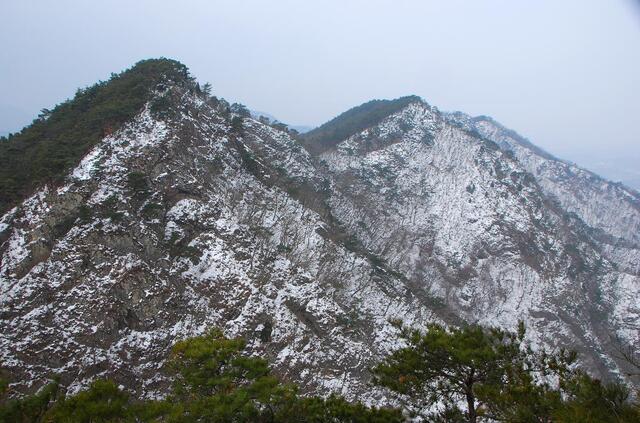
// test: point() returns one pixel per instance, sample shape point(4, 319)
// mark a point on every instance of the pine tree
point(28, 409)
point(448, 365)
point(102, 402)
point(217, 382)
point(499, 378)
point(237, 125)
point(206, 89)
point(240, 109)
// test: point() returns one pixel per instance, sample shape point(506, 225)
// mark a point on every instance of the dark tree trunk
point(471, 399)
point(471, 406)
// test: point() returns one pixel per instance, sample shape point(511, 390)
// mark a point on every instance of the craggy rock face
point(172, 226)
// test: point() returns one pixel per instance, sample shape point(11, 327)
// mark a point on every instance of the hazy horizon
point(563, 75)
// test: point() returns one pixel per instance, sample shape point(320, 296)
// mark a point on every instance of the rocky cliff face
point(179, 222)
point(609, 212)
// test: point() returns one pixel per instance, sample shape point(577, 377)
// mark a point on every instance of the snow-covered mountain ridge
point(172, 225)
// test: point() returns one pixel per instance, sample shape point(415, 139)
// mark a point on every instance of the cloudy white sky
point(566, 74)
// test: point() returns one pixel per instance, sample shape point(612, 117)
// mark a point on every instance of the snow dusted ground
point(610, 210)
point(212, 244)
point(419, 217)
point(480, 231)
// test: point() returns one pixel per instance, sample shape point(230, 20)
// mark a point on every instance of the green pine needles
point(474, 374)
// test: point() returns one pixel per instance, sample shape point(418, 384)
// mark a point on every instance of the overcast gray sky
point(565, 73)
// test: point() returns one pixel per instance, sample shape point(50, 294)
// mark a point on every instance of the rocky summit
point(189, 214)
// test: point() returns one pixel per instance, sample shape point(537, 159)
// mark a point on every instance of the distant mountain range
point(300, 128)
point(623, 169)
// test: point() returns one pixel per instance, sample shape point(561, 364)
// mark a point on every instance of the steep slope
point(578, 190)
point(471, 225)
point(610, 211)
point(181, 220)
point(173, 225)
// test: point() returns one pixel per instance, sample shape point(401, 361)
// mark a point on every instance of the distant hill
point(615, 168)
point(300, 128)
point(353, 121)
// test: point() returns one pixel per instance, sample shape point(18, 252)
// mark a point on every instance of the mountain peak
point(58, 138)
point(159, 67)
point(354, 120)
